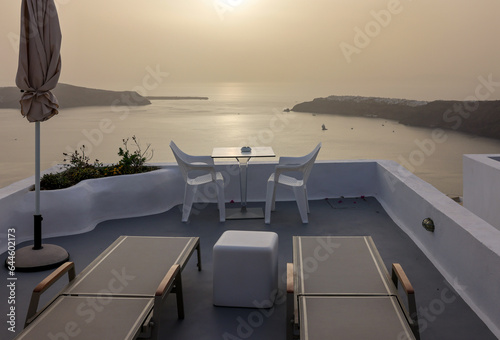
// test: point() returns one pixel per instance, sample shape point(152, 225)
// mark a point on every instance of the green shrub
point(54, 181)
point(131, 162)
point(79, 168)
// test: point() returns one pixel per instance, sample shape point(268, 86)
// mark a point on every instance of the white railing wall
point(463, 247)
point(481, 175)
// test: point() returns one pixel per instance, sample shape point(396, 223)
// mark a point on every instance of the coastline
point(175, 98)
point(70, 96)
point(247, 116)
point(480, 118)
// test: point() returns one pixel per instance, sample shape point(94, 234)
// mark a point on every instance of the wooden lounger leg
point(179, 296)
point(290, 304)
point(198, 251)
point(171, 282)
point(398, 275)
point(68, 267)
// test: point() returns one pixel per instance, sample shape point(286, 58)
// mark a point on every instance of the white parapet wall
point(464, 247)
point(481, 178)
point(80, 208)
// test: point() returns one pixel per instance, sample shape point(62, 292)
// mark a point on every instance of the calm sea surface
point(235, 115)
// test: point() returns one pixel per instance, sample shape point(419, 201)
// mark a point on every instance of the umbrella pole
point(38, 72)
point(37, 217)
point(38, 257)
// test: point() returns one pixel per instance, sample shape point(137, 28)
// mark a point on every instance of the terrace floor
point(442, 313)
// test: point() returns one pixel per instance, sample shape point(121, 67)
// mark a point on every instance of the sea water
point(235, 115)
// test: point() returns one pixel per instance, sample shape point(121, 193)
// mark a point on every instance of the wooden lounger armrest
point(67, 267)
point(168, 280)
point(398, 275)
point(171, 283)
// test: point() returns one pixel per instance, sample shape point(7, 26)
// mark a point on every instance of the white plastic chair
point(301, 167)
point(198, 170)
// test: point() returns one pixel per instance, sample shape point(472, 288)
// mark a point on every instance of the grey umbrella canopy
point(39, 59)
point(38, 73)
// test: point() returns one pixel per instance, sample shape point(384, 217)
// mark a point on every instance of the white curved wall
point(80, 208)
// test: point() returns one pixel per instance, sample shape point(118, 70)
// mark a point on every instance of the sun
point(224, 6)
point(233, 3)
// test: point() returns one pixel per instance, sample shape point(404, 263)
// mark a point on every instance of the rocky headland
point(175, 98)
point(481, 118)
point(70, 96)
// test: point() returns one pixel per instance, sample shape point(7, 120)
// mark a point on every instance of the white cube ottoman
point(245, 269)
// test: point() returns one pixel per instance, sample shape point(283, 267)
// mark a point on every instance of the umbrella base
point(48, 257)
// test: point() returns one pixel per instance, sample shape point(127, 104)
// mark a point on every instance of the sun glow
point(222, 7)
point(414, 49)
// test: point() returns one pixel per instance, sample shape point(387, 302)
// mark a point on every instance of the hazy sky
point(418, 49)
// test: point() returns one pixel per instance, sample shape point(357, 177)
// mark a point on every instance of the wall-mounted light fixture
point(428, 224)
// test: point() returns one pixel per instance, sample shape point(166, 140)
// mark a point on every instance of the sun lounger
point(120, 295)
point(340, 285)
point(352, 317)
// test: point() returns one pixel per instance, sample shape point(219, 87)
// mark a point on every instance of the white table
point(243, 158)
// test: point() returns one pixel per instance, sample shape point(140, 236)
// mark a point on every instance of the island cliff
point(70, 96)
point(481, 118)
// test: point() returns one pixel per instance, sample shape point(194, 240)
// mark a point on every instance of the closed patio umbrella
point(38, 73)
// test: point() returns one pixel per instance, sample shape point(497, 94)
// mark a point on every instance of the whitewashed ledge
point(482, 186)
point(464, 248)
point(80, 208)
